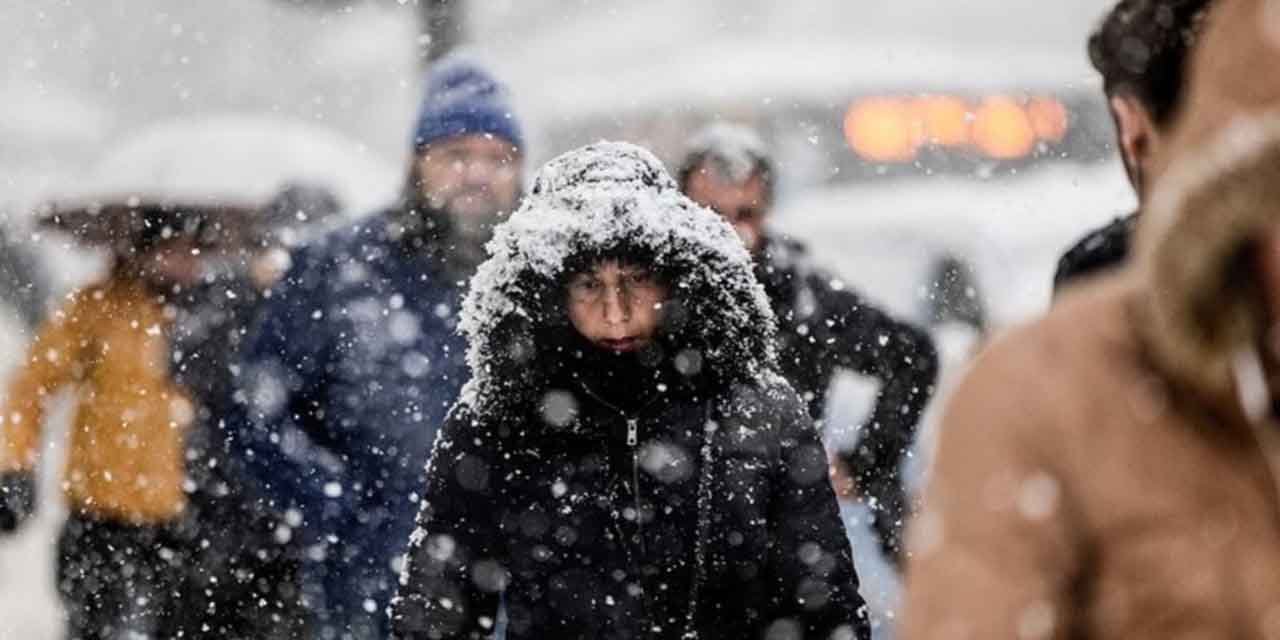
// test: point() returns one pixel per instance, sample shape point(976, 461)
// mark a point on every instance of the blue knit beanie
point(462, 98)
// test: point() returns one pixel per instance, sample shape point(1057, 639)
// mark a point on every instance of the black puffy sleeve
point(455, 568)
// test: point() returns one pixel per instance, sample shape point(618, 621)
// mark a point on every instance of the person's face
point(743, 204)
point(616, 307)
point(475, 179)
point(268, 267)
point(173, 263)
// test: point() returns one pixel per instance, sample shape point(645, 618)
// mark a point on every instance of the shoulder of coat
point(1056, 368)
point(768, 403)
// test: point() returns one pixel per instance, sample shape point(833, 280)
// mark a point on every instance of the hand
point(17, 499)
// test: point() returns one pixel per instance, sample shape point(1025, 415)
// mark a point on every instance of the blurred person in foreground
point(244, 577)
point(356, 359)
point(123, 549)
point(1111, 471)
point(626, 462)
point(824, 325)
point(1141, 50)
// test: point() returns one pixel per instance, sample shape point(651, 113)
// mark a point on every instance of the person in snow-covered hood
point(1111, 471)
point(1141, 49)
point(625, 462)
point(825, 326)
point(121, 556)
point(356, 359)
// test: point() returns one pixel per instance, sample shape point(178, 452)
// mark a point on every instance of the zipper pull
point(633, 432)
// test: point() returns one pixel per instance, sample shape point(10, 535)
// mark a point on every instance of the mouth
point(621, 345)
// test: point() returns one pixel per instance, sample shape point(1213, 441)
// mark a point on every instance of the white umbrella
point(242, 158)
point(218, 164)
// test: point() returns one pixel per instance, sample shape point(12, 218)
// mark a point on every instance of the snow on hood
point(605, 198)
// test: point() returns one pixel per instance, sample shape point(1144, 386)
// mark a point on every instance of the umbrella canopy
point(122, 223)
point(204, 169)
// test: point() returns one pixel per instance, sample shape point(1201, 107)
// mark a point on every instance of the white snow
point(238, 158)
point(86, 77)
point(674, 53)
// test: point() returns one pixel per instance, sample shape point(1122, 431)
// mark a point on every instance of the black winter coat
point(1102, 249)
point(243, 566)
point(824, 327)
point(741, 522)
point(681, 493)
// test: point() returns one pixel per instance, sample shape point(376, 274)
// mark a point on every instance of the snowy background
point(248, 87)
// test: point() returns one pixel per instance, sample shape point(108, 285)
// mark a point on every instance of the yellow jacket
point(126, 455)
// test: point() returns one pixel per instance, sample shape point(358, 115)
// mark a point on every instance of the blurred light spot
point(882, 130)
point(946, 120)
point(1002, 129)
point(1049, 119)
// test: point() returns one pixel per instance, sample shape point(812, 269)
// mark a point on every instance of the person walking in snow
point(1111, 471)
point(625, 461)
point(243, 580)
point(356, 360)
point(122, 553)
point(825, 326)
point(1141, 49)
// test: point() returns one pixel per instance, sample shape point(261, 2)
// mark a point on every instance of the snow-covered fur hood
point(1203, 306)
point(611, 199)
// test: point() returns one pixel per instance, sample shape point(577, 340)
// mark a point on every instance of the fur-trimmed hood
point(602, 199)
point(1203, 308)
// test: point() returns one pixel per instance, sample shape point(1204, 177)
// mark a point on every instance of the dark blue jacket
point(344, 384)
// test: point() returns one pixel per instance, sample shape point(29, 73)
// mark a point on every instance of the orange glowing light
point(1049, 119)
point(945, 120)
point(882, 130)
point(1002, 129)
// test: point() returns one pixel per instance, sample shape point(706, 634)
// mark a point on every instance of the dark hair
point(631, 256)
point(724, 146)
point(694, 162)
point(1142, 48)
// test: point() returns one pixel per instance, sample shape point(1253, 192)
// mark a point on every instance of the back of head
point(1142, 47)
point(736, 151)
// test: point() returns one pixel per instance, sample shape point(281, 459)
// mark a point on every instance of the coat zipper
point(702, 526)
point(633, 442)
point(633, 439)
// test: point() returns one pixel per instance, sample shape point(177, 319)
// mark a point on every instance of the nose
point(480, 170)
point(617, 309)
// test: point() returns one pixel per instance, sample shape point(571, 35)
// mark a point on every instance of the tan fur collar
point(1201, 304)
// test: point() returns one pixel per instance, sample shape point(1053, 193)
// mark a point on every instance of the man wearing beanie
point(356, 359)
